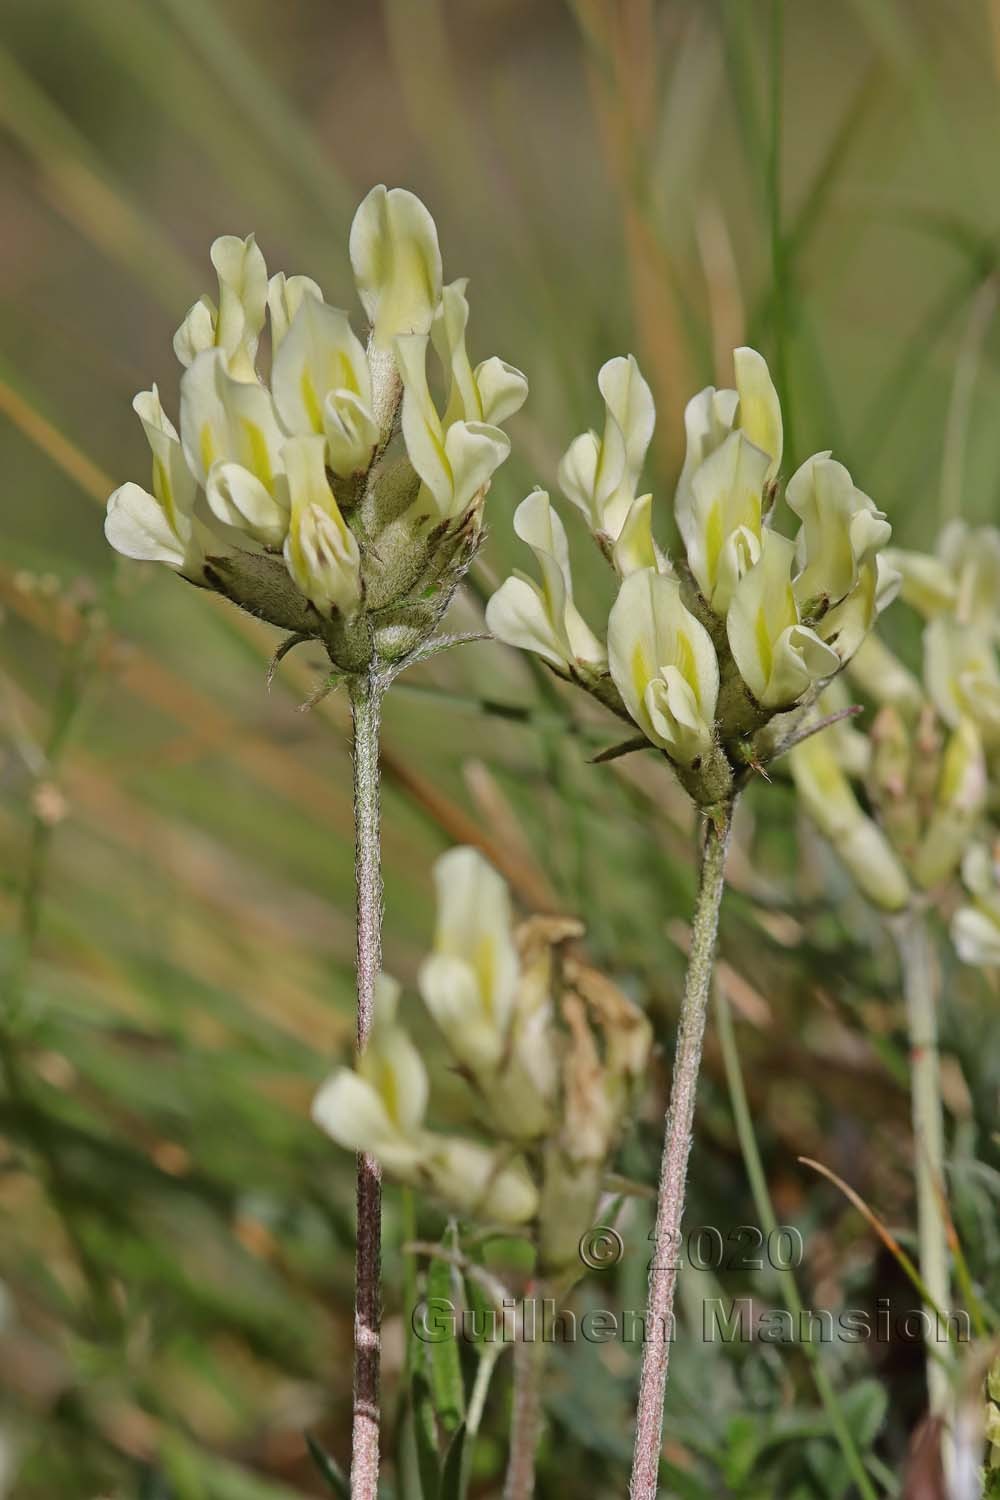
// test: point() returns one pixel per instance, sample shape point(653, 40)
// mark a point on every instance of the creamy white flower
point(456, 464)
point(542, 617)
point(380, 1107)
point(777, 656)
point(726, 518)
point(322, 384)
point(224, 420)
point(841, 530)
point(397, 263)
point(491, 392)
point(235, 325)
point(321, 552)
point(285, 295)
point(600, 475)
point(664, 665)
point(470, 980)
point(753, 409)
point(158, 527)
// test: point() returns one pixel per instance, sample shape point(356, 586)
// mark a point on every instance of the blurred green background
point(669, 178)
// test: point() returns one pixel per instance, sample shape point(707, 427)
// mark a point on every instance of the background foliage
point(672, 178)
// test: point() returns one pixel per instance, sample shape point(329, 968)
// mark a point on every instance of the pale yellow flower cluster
point(700, 654)
point(550, 1051)
point(332, 498)
point(929, 761)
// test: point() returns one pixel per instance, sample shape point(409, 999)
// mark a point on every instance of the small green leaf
point(443, 1359)
point(484, 1325)
point(425, 1435)
point(454, 1470)
point(329, 1469)
point(865, 1406)
point(742, 1449)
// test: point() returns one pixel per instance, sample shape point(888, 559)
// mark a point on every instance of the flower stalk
point(526, 1415)
point(676, 1150)
point(366, 704)
point(918, 974)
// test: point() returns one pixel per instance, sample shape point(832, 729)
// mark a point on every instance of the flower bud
point(543, 618)
point(600, 475)
point(959, 803)
point(828, 798)
point(778, 657)
point(890, 780)
point(664, 666)
point(397, 263)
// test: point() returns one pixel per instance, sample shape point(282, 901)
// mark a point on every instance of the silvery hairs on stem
point(551, 1051)
point(704, 653)
point(333, 499)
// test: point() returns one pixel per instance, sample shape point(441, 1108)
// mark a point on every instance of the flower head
point(703, 652)
point(294, 491)
point(552, 1053)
